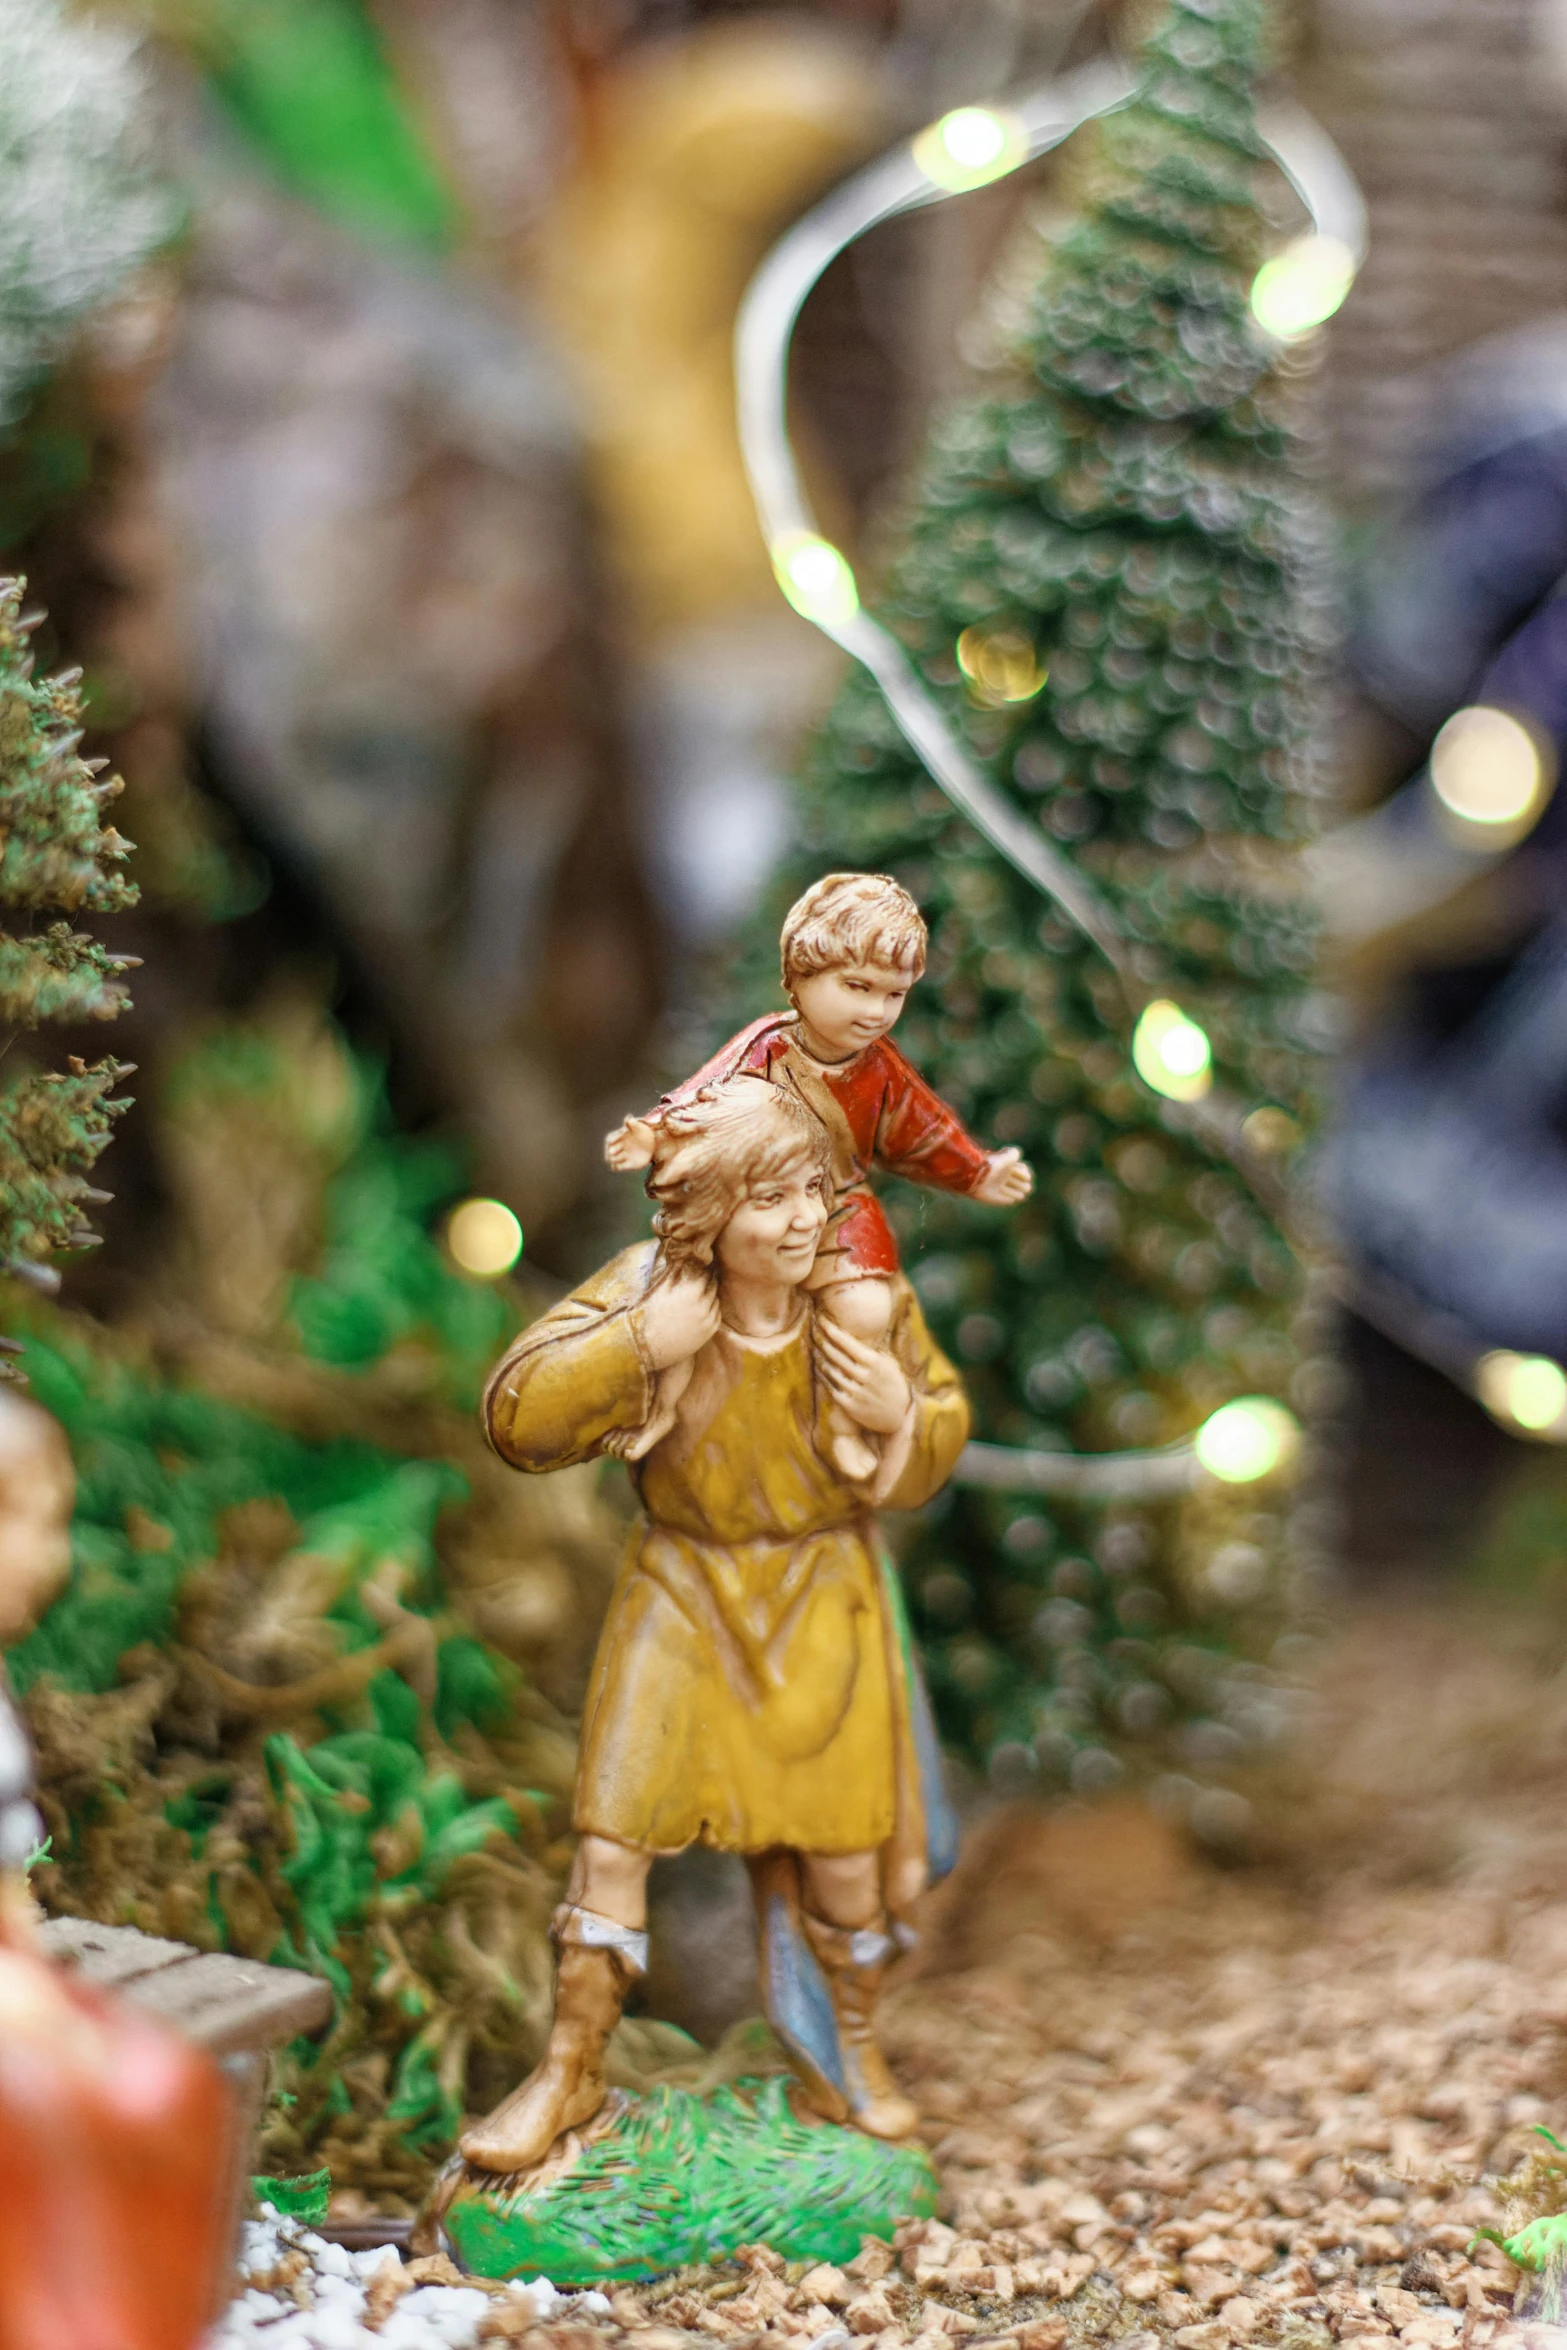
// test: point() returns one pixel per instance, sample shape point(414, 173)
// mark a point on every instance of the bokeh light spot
point(1492, 775)
point(816, 579)
point(484, 1238)
point(1247, 1439)
point(1270, 1131)
point(1171, 1053)
point(1000, 664)
point(970, 146)
point(1294, 292)
point(1523, 1391)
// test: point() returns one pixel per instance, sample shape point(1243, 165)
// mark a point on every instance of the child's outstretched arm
point(630, 1147)
point(919, 1137)
point(1008, 1178)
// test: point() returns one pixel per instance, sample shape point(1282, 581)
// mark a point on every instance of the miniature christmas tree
point(56, 855)
point(1106, 580)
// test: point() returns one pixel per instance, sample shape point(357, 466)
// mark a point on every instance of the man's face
point(772, 1235)
point(847, 1009)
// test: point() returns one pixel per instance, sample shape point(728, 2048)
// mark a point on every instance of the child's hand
point(1006, 1180)
point(866, 1380)
point(679, 1316)
point(630, 1146)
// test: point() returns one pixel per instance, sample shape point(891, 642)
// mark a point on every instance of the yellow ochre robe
point(753, 1685)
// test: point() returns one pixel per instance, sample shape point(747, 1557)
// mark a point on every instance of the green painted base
point(676, 2178)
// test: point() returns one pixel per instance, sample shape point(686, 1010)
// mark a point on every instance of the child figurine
point(754, 1688)
point(851, 949)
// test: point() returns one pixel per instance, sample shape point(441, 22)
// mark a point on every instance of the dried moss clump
point(293, 1701)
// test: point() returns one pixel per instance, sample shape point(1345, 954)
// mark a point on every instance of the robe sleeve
point(918, 1458)
point(919, 1137)
point(578, 1377)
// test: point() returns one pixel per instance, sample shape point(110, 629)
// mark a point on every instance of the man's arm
point(921, 1455)
point(579, 1375)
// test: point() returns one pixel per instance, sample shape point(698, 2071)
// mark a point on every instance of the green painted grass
point(682, 2179)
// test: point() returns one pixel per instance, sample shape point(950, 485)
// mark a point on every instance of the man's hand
point(1005, 1181)
point(867, 1381)
point(630, 1146)
point(678, 1318)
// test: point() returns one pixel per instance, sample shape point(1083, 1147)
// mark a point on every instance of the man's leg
point(600, 1933)
point(863, 1307)
point(847, 1928)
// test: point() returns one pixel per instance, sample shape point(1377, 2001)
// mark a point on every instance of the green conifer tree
point(56, 856)
point(1106, 579)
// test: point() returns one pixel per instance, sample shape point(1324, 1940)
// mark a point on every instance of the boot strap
point(862, 1946)
point(589, 1929)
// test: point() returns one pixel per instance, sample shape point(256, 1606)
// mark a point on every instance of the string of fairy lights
point(1489, 776)
point(1487, 781)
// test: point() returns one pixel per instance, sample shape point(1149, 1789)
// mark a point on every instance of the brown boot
point(567, 2087)
point(854, 1964)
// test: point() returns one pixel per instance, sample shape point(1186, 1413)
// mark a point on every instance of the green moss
point(305, 2198)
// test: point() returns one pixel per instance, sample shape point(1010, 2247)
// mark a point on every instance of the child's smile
point(845, 1009)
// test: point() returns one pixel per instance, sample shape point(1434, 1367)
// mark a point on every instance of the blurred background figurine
point(37, 1488)
point(117, 2136)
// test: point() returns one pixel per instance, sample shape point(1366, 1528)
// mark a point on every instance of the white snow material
point(335, 2284)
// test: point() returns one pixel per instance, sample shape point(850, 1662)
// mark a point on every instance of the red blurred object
point(117, 2167)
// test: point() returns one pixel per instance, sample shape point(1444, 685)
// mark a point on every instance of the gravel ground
point(1174, 2101)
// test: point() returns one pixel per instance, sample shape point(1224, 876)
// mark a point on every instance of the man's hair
point(852, 918)
point(710, 1152)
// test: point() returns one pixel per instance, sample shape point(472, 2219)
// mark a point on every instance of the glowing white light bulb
point(1171, 1053)
point(1247, 1439)
point(1523, 1391)
point(816, 579)
point(484, 1238)
point(1294, 292)
point(970, 146)
point(1491, 774)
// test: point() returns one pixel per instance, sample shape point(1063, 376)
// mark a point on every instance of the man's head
point(852, 947)
point(745, 1155)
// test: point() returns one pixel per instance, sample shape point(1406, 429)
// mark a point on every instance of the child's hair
point(852, 918)
point(709, 1153)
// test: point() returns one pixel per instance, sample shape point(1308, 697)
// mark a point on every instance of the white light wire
point(896, 184)
point(763, 330)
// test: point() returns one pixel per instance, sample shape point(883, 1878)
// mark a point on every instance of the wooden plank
point(108, 1957)
point(229, 2004)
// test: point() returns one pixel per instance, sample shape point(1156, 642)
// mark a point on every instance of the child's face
point(846, 1009)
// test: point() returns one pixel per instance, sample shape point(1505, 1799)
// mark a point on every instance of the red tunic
point(879, 1112)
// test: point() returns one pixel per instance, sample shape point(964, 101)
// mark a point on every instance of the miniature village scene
point(783, 1174)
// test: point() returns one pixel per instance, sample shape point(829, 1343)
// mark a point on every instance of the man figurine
point(754, 1687)
point(852, 948)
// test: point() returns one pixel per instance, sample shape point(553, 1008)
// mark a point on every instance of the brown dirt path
point(1173, 2100)
point(1253, 2102)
